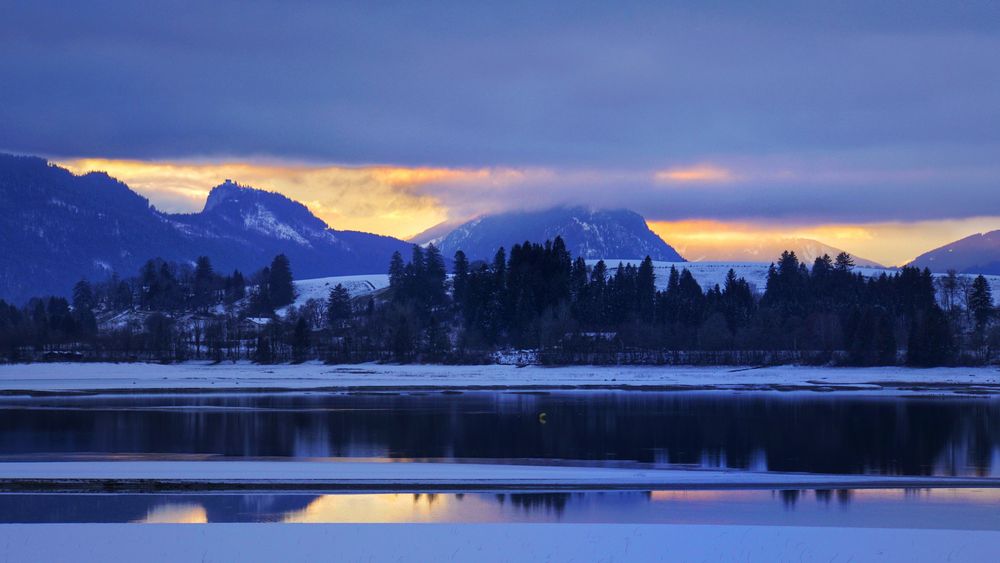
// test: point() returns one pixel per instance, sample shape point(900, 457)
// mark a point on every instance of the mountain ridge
point(587, 233)
point(975, 254)
point(63, 227)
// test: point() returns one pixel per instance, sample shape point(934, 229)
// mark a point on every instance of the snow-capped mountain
point(587, 233)
point(56, 228)
point(766, 249)
point(435, 234)
point(976, 254)
point(249, 222)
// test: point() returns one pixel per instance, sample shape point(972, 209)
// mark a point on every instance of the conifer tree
point(338, 307)
point(204, 283)
point(646, 290)
point(281, 290)
point(460, 279)
point(434, 275)
point(843, 262)
point(980, 303)
point(397, 271)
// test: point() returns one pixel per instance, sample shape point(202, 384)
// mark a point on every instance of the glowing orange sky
point(890, 243)
point(401, 201)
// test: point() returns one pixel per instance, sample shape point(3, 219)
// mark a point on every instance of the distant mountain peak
point(590, 233)
point(767, 249)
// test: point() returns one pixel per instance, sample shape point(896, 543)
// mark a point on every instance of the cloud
point(471, 85)
point(401, 200)
point(695, 174)
point(761, 203)
point(393, 117)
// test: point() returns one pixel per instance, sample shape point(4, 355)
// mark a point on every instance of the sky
point(872, 126)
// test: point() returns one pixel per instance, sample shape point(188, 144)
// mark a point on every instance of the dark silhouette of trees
point(338, 307)
point(281, 291)
point(981, 303)
point(931, 342)
point(205, 283)
point(537, 297)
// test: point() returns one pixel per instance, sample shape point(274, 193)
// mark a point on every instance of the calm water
point(796, 432)
point(972, 509)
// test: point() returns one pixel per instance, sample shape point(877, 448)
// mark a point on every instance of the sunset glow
point(891, 244)
point(695, 174)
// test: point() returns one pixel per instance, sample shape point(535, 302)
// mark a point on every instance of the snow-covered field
point(374, 475)
point(245, 377)
point(486, 543)
point(319, 288)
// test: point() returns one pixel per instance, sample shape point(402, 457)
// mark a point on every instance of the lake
point(760, 431)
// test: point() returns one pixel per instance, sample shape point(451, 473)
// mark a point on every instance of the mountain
point(976, 254)
point(56, 228)
point(767, 250)
point(435, 234)
point(591, 234)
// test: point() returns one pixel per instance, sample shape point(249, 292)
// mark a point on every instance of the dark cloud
point(567, 85)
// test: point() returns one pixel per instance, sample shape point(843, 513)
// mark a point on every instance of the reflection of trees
point(789, 497)
point(554, 503)
point(429, 497)
point(818, 434)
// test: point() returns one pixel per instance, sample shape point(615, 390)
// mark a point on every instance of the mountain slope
point(591, 234)
point(767, 250)
point(56, 228)
point(976, 254)
point(435, 234)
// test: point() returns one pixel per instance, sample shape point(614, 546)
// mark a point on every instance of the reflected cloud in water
point(916, 508)
point(181, 513)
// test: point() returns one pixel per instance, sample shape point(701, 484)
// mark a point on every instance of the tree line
point(538, 299)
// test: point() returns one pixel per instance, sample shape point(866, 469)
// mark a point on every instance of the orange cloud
point(701, 173)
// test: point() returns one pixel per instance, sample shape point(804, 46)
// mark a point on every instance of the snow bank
point(202, 377)
point(375, 475)
point(486, 543)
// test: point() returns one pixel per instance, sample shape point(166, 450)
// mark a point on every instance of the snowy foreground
point(411, 476)
point(486, 542)
point(244, 377)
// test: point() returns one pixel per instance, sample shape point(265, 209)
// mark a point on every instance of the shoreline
point(373, 477)
point(90, 379)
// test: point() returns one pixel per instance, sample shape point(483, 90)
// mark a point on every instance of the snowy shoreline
point(201, 377)
point(487, 542)
point(148, 476)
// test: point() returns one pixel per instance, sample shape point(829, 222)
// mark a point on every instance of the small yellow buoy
point(541, 418)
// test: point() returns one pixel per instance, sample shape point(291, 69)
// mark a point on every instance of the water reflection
point(926, 508)
point(176, 513)
point(747, 431)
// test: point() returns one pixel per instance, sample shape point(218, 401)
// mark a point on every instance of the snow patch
point(263, 221)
